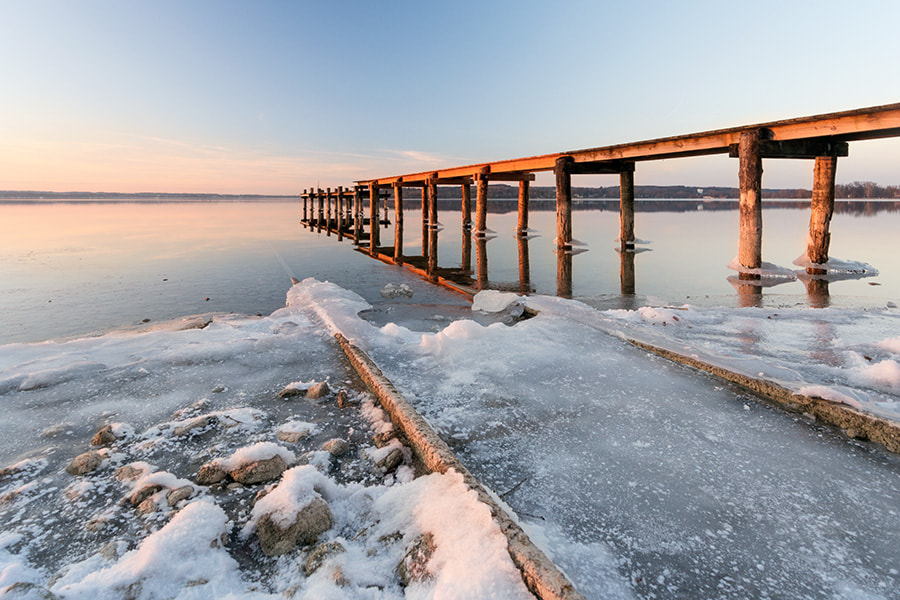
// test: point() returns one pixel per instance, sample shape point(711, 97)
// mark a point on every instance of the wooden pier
point(821, 139)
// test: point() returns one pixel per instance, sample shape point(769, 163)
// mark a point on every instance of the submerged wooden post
point(522, 225)
point(466, 261)
point(563, 202)
point(340, 213)
point(750, 242)
point(481, 193)
point(398, 223)
point(431, 187)
point(524, 266)
point(563, 273)
point(305, 197)
point(424, 220)
point(822, 208)
point(374, 227)
point(466, 206)
point(626, 211)
point(626, 272)
point(481, 263)
point(328, 211)
point(321, 216)
point(357, 214)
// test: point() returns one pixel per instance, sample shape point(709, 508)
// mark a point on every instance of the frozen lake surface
point(641, 478)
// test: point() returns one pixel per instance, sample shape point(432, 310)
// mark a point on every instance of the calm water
point(72, 269)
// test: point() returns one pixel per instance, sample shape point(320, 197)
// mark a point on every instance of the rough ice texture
point(492, 301)
point(188, 549)
point(836, 265)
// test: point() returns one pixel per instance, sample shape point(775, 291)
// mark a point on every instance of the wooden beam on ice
point(750, 206)
point(563, 202)
point(822, 208)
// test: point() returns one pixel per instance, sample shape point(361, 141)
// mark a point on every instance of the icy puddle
point(640, 477)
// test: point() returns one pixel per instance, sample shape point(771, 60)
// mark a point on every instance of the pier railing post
point(481, 192)
point(750, 207)
point(522, 225)
point(626, 209)
point(822, 209)
point(374, 227)
point(563, 202)
point(398, 223)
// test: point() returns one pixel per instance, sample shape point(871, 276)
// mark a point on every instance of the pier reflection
point(524, 265)
point(626, 271)
point(481, 262)
point(563, 273)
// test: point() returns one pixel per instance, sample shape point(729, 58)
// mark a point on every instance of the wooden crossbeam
point(613, 167)
point(807, 149)
point(860, 124)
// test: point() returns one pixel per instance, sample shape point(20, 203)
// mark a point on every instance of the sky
point(272, 97)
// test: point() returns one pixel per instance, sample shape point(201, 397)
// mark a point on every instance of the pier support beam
point(822, 208)
point(321, 212)
point(524, 266)
point(626, 210)
point(328, 220)
point(424, 221)
point(431, 186)
point(563, 202)
point(467, 206)
point(340, 213)
point(398, 223)
point(750, 242)
point(305, 196)
point(481, 192)
point(522, 225)
point(374, 226)
point(357, 214)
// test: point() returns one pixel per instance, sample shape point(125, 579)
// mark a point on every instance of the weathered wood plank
point(750, 206)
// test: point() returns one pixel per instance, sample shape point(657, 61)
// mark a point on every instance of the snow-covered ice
point(639, 477)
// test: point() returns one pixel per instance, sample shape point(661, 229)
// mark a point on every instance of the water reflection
point(687, 268)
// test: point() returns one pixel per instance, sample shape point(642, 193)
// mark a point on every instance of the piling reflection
point(626, 272)
point(817, 291)
point(466, 262)
point(481, 261)
point(433, 254)
point(563, 273)
point(524, 266)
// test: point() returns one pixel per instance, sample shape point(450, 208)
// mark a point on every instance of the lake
point(79, 268)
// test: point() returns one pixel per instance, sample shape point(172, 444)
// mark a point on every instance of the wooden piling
point(424, 220)
point(321, 204)
point(374, 227)
point(481, 263)
point(466, 261)
point(431, 187)
point(524, 266)
point(481, 192)
point(340, 213)
point(305, 197)
point(563, 202)
point(357, 214)
point(466, 206)
point(626, 211)
point(626, 272)
point(563, 273)
point(750, 207)
point(522, 225)
point(398, 223)
point(822, 208)
point(328, 211)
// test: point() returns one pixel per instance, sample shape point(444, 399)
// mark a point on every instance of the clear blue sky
point(274, 96)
